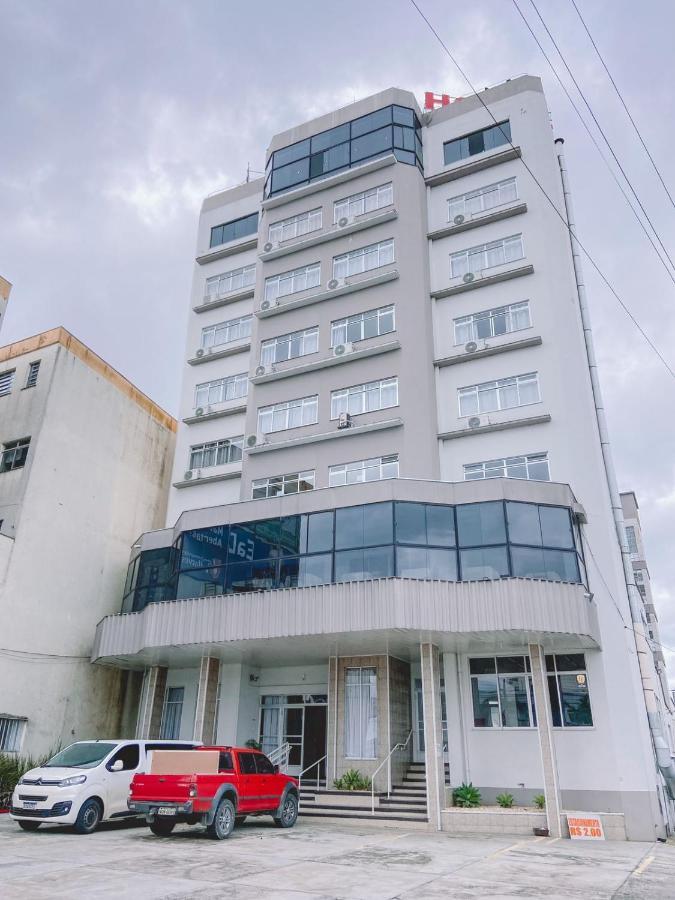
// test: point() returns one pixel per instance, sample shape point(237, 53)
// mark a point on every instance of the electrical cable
point(586, 253)
point(623, 103)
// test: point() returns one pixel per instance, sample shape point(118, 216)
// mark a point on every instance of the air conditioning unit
point(344, 420)
point(343, 221)
point(270, 245)
point(187, 475)
point(335, 283)
point(471, 347)
point(474, 422)
point(202, 410)
point(265, 370)
point(458, 219)
point(269, 304)
point(192, 475)
point(468, 277)
point(199, 352)
point(255, 440)
point(343, 349)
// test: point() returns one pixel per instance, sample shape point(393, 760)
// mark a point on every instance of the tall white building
point(85, 461)
point(391, 520)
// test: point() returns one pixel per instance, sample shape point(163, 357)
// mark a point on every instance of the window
point(226, 332)
point(10, 733)
point(279, 485)
point(391, 130)
point(234, 230)
point(291, 414)
point(360, 713)
point(33, 370)
point(534, 467)
point(502, 692)
point(376, 469)
point(492, 322)
point(295, 226)
point(568, 690)
point(171, 714)
point(222, 389)
point(6, 382)
point(216, 453)
point(292, 282)
point(484, 256)
point(362, 326)
point(483, 199)
point(362, 398)
point(14, 455)
point(247, 763)
point(477, 142)
point(130, 756)
point(366, 201)
point(263, 765)
point(631, 539)
point(289, 346)
point(506, 393)
point(225, 763)
point(364, 259)
point(235, 280)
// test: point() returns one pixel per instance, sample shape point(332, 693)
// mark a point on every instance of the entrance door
point(418, 720)
point(314, 742)
point(293, 730)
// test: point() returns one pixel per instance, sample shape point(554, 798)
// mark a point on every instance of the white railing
point(280, 756)
point(400, 746)
point(318, 770)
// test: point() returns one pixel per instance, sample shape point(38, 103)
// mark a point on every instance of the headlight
point(75, 779)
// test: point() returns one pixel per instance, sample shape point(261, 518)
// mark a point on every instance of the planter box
point(492, 820)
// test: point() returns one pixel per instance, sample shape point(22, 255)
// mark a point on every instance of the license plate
point(166, 811)
point(30, 804)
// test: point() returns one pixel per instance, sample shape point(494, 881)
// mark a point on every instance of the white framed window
point(492, 322)
point(279, 485)
point(14, 455)
point(505, 393)
point(295, 226)
point(362, 398)
point(362, 326)
point(377, 469)
point(291, 414)
point(221, 389)
point(292, 282)
point(33, 370)
point(631, 539)
point(365, 201)
point(483, 199)
point(216, 453)
point(533, 466)
point(172, 712)
point(6, 381)
point(226, 332)
point(360, 713)
point(364, 259)
point(11, 732)
point(485, 256)
point(228, 282)
point(289, 346)
point(502, 692)
point(568, 690)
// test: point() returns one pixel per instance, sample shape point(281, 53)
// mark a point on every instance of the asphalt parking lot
point(321, 861)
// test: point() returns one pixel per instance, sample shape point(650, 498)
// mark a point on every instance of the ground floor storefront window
point(361, 713)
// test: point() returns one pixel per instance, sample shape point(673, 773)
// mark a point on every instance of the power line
point(623, 103)
point(543, 191)
point(600, 129)
point(35, 656)
point(595, 143)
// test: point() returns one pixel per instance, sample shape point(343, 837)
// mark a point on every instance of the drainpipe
point(661, 747)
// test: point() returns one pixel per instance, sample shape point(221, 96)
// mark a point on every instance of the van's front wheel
point(29, 826)
point(88, 818)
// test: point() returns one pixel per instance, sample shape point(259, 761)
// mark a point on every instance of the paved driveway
point(321, 861)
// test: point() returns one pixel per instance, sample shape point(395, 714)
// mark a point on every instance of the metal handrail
point(318, 771)
point(280, 755)
point(399, 746)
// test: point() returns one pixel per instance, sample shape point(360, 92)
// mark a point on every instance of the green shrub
point(540, 801)
point(505, 800)
point(253, 744)
point(12, 767)
point(466, 795)
point(352, 780)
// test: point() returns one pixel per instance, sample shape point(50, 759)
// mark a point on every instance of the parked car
point(84, 785)
point(234, 782)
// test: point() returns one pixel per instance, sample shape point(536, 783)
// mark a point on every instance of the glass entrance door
point(298, 720)
point(418, 720)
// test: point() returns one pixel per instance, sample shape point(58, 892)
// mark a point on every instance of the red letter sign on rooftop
point(433, 101)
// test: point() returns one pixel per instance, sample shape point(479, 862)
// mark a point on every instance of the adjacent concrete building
point(85, 465)
point(394, 541)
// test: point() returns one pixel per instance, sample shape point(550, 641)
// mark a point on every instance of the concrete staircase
point(406, 803)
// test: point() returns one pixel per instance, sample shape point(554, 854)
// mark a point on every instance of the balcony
point(280, 370)
point(223, 300)
point(333, 231)
point(344, 286)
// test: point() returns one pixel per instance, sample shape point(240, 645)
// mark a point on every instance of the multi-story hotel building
point(392, 520)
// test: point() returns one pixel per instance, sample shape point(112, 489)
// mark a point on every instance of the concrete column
point(546, 745)
point(207, 698)
point(456, 729)
point(331, 725)
point(433, 732)
point(151, 703)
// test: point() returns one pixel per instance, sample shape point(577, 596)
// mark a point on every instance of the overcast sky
point(116, 118)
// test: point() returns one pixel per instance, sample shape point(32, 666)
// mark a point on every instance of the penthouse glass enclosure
point(393, 129)
point(469, 542)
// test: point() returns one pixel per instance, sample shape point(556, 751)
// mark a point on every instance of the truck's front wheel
point(162, 827)
point(223, 821)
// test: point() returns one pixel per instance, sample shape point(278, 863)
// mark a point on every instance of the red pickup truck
point(236, 783)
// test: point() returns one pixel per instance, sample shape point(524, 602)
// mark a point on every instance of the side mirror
point(117, 766)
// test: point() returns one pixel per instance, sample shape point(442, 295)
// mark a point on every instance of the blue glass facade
point(393, 129)
point(470, 542)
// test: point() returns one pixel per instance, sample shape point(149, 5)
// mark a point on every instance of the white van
point(85, 784)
